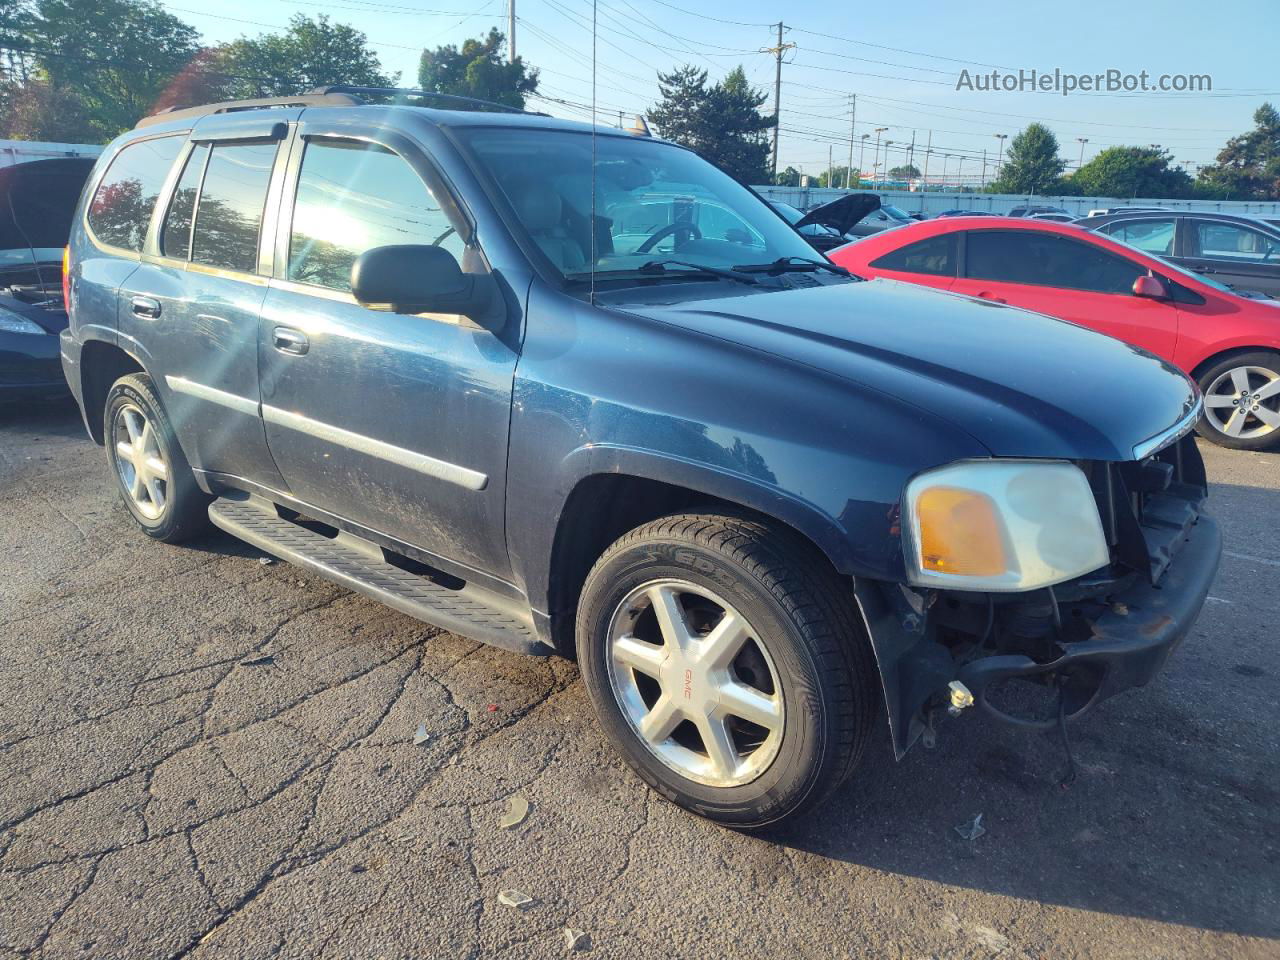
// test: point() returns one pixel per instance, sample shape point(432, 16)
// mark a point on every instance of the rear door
point(1234, 254)
point(398, 423)
point(194, 302)
point(1069, 279)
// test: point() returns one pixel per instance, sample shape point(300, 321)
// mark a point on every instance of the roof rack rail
point(349, 89)
point(322, 98)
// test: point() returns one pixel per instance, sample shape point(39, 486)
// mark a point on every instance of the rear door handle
point(1204, 270)
point(289, 340)
point(148, 307)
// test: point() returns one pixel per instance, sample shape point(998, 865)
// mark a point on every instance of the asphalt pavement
point(205, 755)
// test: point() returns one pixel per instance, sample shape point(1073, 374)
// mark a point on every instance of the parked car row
point(1112, 280)
point(573, 390)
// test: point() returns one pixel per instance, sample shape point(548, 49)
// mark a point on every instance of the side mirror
point(417, 278)
point(1152, 288)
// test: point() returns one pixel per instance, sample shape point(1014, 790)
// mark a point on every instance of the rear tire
point(746, 732)
point(151, 472)
point(1242, 401)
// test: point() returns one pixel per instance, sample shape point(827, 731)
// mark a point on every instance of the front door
point(398, 423)
point(1234, 254)
point(1068, 279)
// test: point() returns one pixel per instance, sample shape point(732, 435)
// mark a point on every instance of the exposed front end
point(1039, 656)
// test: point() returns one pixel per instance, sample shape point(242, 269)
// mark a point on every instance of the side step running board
point(359, 565)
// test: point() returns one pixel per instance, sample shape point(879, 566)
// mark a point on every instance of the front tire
point(728, 664)
point(1242, 401)
point(152, 474)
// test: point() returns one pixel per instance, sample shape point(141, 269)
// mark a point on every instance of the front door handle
point(289, 340)
point(147, 307)
point(1204, 270)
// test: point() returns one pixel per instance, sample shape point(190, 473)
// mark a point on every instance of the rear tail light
point(66, 279)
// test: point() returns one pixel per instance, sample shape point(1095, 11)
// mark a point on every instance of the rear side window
point(1229, 241)
point(229, 213)
point(1150, 236)
point(1023, 256)
point(353, 197)
point(121, 206)
point(935, 256)
point(175, 235)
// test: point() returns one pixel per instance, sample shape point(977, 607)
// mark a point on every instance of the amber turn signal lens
point(960, 533)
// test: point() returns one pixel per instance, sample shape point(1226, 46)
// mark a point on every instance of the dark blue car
point(579, 392)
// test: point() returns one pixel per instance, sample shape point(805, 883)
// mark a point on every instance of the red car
point(1228, 342)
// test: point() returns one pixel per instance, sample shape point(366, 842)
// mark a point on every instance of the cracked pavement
point(204, 756)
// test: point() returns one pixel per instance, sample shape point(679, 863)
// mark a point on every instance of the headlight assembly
point(1001, 525)
point(11, 322)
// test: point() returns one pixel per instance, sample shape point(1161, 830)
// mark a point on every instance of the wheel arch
point(603, 504)
point(102, 364)
point(1214, 359)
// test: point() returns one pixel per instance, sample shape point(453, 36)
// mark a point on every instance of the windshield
point(789, 213)
point(653, 201)
point(894, 212)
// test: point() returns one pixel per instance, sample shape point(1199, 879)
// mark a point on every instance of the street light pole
point(862, 156)
point(853, 114)
point(876, 164)
point(1082, 141)
point(1000, 155)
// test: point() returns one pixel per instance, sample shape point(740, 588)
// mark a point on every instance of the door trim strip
point(213, 395)
point(440, 469)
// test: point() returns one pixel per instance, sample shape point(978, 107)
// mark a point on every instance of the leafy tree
point(1032, 164)
point(1248, 167)
point(37, 110)
point(908, 171)
point(114, 57)
point(478, 70)
point(309, 54)
point(1128, 172)
point(722, 123)
point(790, 177)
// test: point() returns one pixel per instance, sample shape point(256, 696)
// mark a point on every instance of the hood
point(843, 213)
point(1020, 383)
point(37, 204)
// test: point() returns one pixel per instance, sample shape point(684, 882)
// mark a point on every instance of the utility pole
point(911, 153)
point(959, 167)
point(511, 34)
point(945, 158)
point(1082, 141)
point(777, 52)
point(928, 149)
point(876, 164)
point(984, 168)
point(831, 171)
point(1000, 155)
point(853, 113)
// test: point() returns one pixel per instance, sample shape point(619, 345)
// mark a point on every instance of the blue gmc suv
point(576, 391)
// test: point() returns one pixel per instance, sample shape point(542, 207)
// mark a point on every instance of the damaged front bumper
point(1074, 645)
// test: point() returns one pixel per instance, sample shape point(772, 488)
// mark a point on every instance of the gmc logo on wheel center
point(688, 684)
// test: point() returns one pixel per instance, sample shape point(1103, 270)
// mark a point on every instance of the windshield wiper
point(660, 266)
point(783, 264)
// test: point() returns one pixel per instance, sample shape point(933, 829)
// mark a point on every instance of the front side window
point(1024, 256)
point(935, 257)
point(355, 196)
point(1150, 236)
point(229, 213)
point(652, 201)
point(1229, 241)
point(121, 206)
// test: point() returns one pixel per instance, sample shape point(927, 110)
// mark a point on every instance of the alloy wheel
point(140, 463)
point(1244, 402)
point(695, 683)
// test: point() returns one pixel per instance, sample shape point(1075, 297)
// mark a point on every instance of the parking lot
point(203, 754)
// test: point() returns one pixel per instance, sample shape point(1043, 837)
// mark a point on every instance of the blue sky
point(902, 60)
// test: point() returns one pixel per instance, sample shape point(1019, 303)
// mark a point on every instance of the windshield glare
point(653, 201)
point(894, 212)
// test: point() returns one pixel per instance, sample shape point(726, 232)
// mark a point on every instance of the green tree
point(1248, 167)
point(36, 110)
point(478, 70)
point(1032, 164)
point(310, 53)
point(1127, 172)
point(722, 123)
point(115, 57)
point(908, 171)
point(790, 177)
